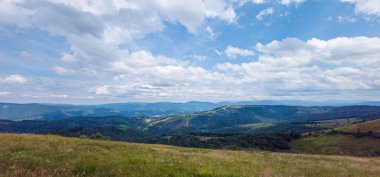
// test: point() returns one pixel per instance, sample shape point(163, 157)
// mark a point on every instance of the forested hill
point(35, 111)
point(234, 127)
point(222, 118)
point(230, 116)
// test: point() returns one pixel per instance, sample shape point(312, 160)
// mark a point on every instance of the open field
point(337, 144)
point(334, 123)
point(45, 155)
point(373, 125)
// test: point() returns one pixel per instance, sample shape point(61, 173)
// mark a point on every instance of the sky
point(104, 51)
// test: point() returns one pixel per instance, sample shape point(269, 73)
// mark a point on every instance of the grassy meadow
point(46, 155)
point(337, 144)
point(373, 125)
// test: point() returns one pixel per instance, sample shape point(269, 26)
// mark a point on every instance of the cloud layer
point(103, 63)
point(369, 7)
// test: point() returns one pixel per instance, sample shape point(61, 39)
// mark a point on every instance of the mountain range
point(40, 111)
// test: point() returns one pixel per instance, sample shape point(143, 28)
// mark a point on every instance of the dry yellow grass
point(38, 155)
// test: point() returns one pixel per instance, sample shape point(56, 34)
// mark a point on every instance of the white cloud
point(4, 93)
point(212, 35)
point(126, 18)
point(101, 90)
point(265, 12)
point(104, 70)
point(259, 1)
point(59, 95)
point(369, 7)
point(11, 12)
point(339, 68)
point(25, 54)
point(234, 52)
point(346, 19)
point(283, 2)
point(68, 57)
point(96, 30)
point(62, 71)
point(288, 2)
point(323, 66)
point(200, 57)
point(14, 79)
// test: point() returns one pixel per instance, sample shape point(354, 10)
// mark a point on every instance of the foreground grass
point(38, 155)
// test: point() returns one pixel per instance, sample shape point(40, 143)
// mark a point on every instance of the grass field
point(334, 123)
point(45, 155)
point(373, 125)
point(337, 144)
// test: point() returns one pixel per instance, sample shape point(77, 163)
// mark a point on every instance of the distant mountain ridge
point(230, 116)
point(222, 119)
point(38, 111)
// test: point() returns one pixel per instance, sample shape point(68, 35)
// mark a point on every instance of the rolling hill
point(37, 155)
point(35, 111)
point(360, 139)
point(372, 126)
point(337, 144)
point(226, 119)
point(232, 116)
point(229, 127)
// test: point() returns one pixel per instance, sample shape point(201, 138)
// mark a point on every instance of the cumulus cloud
point(14, 79)
point(113, 19)
point(234, 52)
point(369, 7)
point(97, 65)
point(11, 12)
point(339, 68)
point(323, 66)
point(95, 30)
point(265, 12)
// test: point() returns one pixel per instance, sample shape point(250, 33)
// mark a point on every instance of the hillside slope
point(372, 126)
point(37, 155)
point(232, 116)
point(337, 144)
point(360, 139)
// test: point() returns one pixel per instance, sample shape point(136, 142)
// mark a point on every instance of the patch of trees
point(265, 141)
point(358, 133)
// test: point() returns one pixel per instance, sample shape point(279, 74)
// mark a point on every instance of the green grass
point(373, 125)
point(45, 155)
point(257, 125)
point(336, 144)
point(334, 123)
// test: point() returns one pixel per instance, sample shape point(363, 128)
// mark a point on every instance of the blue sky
point(88, 52)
